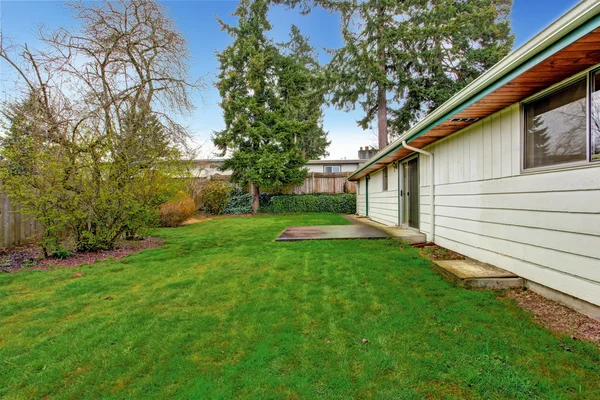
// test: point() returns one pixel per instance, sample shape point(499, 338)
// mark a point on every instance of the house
point(507, 171)
point(332, 166)
point(339, 166)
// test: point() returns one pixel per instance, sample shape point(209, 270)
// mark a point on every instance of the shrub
point(216, 196)
point(176, 211)
point(240, 202)
point(336, 203)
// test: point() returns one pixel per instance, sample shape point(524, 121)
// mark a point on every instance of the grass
point(222, 311)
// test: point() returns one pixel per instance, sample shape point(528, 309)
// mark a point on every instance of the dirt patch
point(31, 257)
point(556, 316)
point(435, 252)
point(201, 217)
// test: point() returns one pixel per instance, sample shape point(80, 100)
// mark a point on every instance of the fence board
point(15, 228)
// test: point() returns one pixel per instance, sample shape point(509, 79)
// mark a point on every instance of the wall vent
point(464, 119)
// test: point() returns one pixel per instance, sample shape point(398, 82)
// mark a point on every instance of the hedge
point(336, 203)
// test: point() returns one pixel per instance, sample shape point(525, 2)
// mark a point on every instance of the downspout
point(431, 185)
point(367, 178)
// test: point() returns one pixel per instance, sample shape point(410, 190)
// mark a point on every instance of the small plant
point(174, 212)
point(61, 253)
point(240, 202)
point(216, 196)
point(29, 263)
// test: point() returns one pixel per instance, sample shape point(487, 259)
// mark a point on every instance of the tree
point(540, 140)
point(402, 59)
point(303, 89)
point(270, 102)
point(98, 116)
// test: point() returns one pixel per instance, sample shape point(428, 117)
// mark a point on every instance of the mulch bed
point(557, 317)
point(435, 252)
point(31, 257)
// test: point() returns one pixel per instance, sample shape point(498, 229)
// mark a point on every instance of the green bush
point(240, 202)
point(216, 196)
point(336, 203)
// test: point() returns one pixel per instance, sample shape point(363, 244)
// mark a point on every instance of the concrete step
point(396, 232)
point(474, 274)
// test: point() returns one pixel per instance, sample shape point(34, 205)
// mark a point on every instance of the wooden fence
point(315, 182)
point(333, 183)
point(15, 228)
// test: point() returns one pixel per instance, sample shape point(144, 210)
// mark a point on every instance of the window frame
point(339, 167)
point(588, 162)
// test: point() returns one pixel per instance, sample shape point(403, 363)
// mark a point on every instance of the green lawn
point(223, 311)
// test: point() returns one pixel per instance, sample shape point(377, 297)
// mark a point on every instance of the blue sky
point(196, 20)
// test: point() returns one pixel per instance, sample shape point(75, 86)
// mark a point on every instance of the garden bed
point(31, 257)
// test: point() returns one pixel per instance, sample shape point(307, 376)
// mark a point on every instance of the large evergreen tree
point(302, 84)
point(271, 107)
point(403, 58)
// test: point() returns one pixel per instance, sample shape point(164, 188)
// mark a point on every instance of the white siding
point(360, 197)
point(383, 205)
point(321, 167)
point(544, 227)
point(349, 167)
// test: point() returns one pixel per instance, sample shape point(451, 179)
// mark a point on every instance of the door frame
point(402, 194)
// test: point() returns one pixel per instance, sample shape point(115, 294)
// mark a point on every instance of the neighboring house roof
point(569, 45)
point(333, 162)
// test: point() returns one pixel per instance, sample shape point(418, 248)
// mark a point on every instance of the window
point(332, 168)
point(385, 179)
point(595, 117)
point(556, 127)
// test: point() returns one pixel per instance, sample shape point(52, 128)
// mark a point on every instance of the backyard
point(223, 311)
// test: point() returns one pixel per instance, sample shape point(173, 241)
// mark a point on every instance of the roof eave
point(574, 24)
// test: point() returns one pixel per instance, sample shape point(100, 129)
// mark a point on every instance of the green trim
point(563, 42)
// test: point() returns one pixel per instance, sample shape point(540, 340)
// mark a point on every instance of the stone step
point(474, 274)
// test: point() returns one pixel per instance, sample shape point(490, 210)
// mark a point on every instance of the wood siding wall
point(544, 227)
point(383, 205)
point(15, 229)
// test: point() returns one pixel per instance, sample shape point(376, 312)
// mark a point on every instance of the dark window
point(595, 117)
point(332, 169)
point(556, 127)
point(385, 178)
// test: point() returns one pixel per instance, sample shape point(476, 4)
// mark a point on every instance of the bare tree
point(107, 97)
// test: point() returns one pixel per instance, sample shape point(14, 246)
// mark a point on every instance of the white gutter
point(559, 28)
point(431, 235)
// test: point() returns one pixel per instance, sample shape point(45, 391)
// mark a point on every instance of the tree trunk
point(382, 122)
point(255, 192)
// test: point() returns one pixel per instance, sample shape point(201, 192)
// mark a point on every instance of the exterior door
point(410, 193)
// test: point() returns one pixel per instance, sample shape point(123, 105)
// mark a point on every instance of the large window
point(563, 127)
point(556, 127)
point(595, 117)
point(331, 168)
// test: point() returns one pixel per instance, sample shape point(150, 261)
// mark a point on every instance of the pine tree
point(270, 109)
point(540, 138)
point(302, 83)
point(403, 58)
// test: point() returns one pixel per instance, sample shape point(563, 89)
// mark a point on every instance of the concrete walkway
point(397, 232)
point(322, 232)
